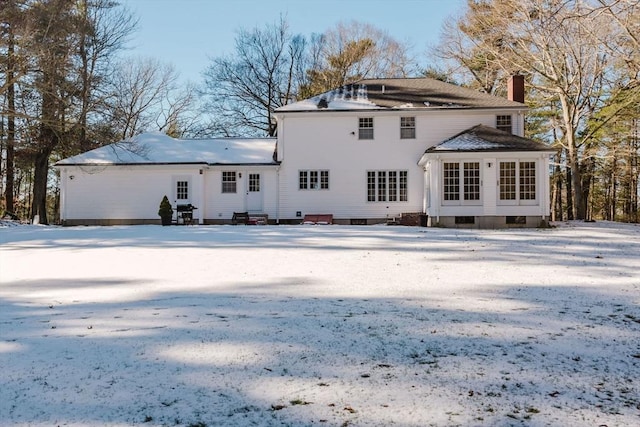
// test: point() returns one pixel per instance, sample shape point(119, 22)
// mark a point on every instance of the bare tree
point(106, 28)
point(243, 90)
point(144, 95)
point(463, 45)
point(353, 51)
point(57, 53)
point(560, 47)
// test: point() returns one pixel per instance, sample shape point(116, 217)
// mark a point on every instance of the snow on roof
point(158, 148)
point(486, 138)
point(400, 93)
point(349, 97)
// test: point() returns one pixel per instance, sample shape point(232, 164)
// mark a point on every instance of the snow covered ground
point(320, 325)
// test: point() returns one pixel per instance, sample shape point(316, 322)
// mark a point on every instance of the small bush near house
point(165, 211)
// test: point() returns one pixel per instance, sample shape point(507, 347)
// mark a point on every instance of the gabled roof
point(423, 93)
point(486, 138)
point(158, 148)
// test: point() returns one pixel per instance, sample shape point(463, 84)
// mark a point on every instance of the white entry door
point(254, 193)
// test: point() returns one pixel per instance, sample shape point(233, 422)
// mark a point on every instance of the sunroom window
point(517, 182)
point(458, 191)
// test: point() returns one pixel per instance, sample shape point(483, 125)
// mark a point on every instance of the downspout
point(426, 189)
point(202, 205)
point(279, 158)
point(436, 175)
point(544, 202)
point(63, 195)
point(278, 194)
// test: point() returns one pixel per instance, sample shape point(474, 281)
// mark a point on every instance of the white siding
point(221, 206)
point(135, 192)
point(329, 141)
point(122, 192)
point(489, 164)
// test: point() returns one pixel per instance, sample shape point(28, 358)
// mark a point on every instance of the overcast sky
point(189, 32)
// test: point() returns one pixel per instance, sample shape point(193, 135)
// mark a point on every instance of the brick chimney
point(515, 88)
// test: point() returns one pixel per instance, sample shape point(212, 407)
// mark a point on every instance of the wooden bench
point(240, 218)
point(318, 219)
point(262, 219)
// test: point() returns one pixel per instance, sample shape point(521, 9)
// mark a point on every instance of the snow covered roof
point(158, 148)
point(486, 138)
point(400, 94)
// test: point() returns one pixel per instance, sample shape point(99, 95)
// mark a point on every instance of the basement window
point(511, 220)
point(465, 220)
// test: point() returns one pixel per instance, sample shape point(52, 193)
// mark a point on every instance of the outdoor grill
point(184, 214)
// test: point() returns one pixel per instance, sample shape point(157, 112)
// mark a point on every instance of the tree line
point(67, 87)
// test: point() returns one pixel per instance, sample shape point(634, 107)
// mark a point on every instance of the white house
point(364, 153)
point(123, 183)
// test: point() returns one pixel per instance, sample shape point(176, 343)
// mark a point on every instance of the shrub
point(165, 211)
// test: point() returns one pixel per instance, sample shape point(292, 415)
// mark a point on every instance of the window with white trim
point(471, 180)
point(182, 190)
point(466, 191)
point(517, 183)
point(229, 183)
point(365, 128)
point(527, 180)
point(507, 180)
point(383, 186)
point(504, 123)
point(407, 128)
point(313, 180)
point(451, 180)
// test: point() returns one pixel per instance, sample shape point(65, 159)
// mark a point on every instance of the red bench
point(318, 219)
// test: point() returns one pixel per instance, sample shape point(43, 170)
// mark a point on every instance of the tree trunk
point(586, 174)
point(613, 189)
point(556, 206)
point(11, 126)
point(40, 180)
point(579, 205)
point(569, 194)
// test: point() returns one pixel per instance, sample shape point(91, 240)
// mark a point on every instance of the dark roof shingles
point(485, 138)
point(395, 93)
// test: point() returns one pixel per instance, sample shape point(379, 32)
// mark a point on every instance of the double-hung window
point(313, 180)
point(461, 183)
point(365, 128)
point(504, 123)
point(229, 182)
point(383, 186)
point(517, 183)
point(407, 127)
